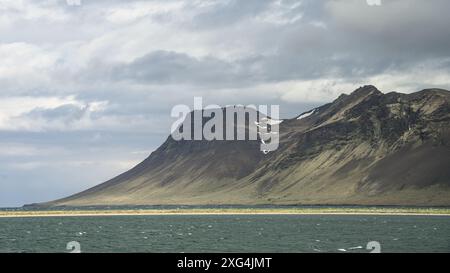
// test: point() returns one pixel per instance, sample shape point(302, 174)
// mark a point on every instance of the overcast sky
point(86, 91)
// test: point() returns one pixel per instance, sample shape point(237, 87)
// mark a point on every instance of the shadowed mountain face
point(363, 148)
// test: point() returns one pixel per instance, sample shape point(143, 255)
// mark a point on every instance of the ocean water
point(226, 233)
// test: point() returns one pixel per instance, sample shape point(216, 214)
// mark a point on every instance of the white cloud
point(282, 13)
point(24, 64)
point(314, 91)
point(11, 107)
point(130, 12)
point(15, 10)
point(412, 80)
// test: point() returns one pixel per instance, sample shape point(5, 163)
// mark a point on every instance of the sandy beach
point(300, 211)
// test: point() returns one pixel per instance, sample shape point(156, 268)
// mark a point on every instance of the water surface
point(226, 233)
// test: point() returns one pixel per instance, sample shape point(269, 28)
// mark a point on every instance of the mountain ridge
point(364, 148)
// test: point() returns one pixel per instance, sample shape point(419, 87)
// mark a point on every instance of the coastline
point(167, 212)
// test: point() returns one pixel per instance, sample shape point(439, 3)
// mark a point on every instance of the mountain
point(365, 148)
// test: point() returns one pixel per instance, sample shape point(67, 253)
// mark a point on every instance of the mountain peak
point(366, 90)
point(360, 93)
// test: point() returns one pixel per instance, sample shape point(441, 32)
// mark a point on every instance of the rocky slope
point(363, 148)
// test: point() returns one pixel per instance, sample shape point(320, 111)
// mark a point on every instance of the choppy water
point(226, 233)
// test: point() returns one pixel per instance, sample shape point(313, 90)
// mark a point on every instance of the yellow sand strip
point(149, 212)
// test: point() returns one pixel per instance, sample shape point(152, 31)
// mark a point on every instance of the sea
point(226, 233)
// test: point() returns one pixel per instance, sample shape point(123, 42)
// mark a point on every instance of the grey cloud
point(229, 12)
point(67, 113)
point(410, 29)
point(357, 41)
point(164, 67)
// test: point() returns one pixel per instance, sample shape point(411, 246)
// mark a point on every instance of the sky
point(86, 90)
